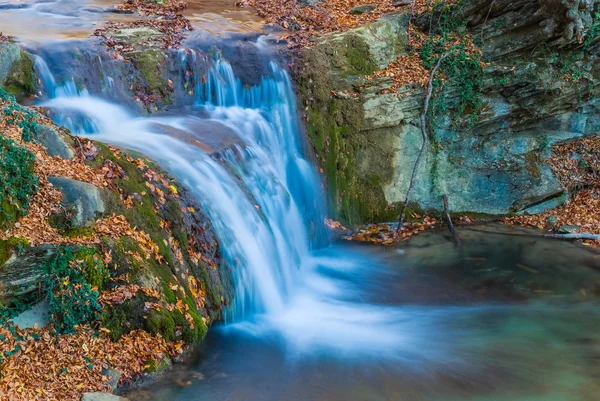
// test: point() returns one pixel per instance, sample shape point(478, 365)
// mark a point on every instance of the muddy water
point(500, 317)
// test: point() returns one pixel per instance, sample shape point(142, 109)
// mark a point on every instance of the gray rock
point(37, 315)
point(10, 55)
point(552, 220)
point(114, 375)
point(367, 39)
point(54, 142)
point(402, 3)
point(98, 396)
point(365, 8)
point(567, 229)
point(23, 272)
point(547, 205)
point(84, 198)
point(382, 111)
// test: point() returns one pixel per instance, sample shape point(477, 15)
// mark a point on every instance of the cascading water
point(264, 200)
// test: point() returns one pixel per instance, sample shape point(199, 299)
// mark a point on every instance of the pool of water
point(502, 316)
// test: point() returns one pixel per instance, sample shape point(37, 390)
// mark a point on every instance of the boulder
point(23, 272)
point(16, 70)
point(10, 55)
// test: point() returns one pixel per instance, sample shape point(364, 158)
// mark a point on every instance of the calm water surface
point(500, 317)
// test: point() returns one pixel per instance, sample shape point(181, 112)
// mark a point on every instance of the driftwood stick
point(447, 216)
point(574, 236)
point(425, 140)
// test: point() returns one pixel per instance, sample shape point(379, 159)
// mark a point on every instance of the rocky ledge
point(521, 79)
point(117, 259)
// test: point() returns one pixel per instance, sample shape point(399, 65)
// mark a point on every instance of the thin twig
point(81, 154)
point(425, 140)
point(412, 14)
point(448, 218)
point(486, 19)
point(594, 237)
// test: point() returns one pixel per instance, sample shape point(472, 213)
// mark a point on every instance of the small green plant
point(18, 181)
point(72, 284)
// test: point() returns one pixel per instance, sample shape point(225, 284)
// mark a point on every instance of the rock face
point(538, 89)
point(22, 273)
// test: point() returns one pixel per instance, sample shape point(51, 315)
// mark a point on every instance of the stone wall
point(539, 88)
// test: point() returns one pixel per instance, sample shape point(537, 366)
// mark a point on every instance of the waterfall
point(261, 194)
point(263, 197)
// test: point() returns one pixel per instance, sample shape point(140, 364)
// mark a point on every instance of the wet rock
point(37, 316)
point(366, 8)
point(567, 229)
point(10, 55)
point(16, 70)
point(547, 205)
point(83, 198)
point(55, 143)
point(98, 396)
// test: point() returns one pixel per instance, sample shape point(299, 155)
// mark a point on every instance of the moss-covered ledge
point(109, 238)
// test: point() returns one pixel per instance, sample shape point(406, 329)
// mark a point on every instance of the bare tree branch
point(425, 139)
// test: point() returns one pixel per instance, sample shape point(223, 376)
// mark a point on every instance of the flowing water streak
point(264, 235)
point(265, 204)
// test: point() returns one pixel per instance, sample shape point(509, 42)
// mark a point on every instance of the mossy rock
point(22, 81)
point(7, 247)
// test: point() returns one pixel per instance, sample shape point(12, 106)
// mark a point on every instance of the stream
point(502, 316)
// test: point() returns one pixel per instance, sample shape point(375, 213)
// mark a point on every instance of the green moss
point(8, 246)
point(358, 57)
point(79, 232)
point(92, 265)
point(150, 64)
point(162, 322)
point(170, 297)
point(22, 81)
point(122, 318)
